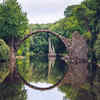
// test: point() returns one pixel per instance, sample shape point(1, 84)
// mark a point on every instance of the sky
point(53, 94)
point(45, 11)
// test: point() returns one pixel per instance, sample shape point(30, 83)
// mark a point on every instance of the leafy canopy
point(13, 21)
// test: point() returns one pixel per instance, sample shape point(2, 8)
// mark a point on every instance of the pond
point(53, 94)
point(44, 72)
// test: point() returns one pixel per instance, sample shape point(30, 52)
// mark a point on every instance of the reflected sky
point(53, 94)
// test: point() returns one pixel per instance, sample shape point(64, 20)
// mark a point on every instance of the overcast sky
point(45, 11)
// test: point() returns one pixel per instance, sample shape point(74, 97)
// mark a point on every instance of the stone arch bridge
point(77, 58)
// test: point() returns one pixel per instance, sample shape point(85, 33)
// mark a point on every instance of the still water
point(47, 69)
point(53, 94)
point(44, 72)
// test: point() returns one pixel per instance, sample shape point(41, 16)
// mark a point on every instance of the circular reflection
point(39, 69)
point(42, 69)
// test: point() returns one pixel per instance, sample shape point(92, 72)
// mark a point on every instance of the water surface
point(44, 71)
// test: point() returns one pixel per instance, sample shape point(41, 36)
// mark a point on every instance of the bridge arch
point(66, 43)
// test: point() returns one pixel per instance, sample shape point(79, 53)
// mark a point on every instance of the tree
point(12, 90)
point(97, 48)
point(69, 10)
point(13, 26)
point(13, 21)
point(4, 51)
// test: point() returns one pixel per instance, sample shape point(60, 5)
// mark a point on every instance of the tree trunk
point(12, 57)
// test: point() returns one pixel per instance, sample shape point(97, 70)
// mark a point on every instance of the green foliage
point(87, 35)
point(39, 42)
point(97, 48)
point(58, 71)
point(4, 50)
point(33, 27)
point(12, 91)
point(3, 71)
point(84, 18)
point(93, 4)
point(24, 63)
point(69, 24)
point(39, 65)
point(24, 68)
point(13, 21)
point(69, 10)
point(82, 12)
point(4, 56)
point(60, 27)
point(70, 92)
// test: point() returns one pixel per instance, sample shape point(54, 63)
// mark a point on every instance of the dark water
point(44, 71)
